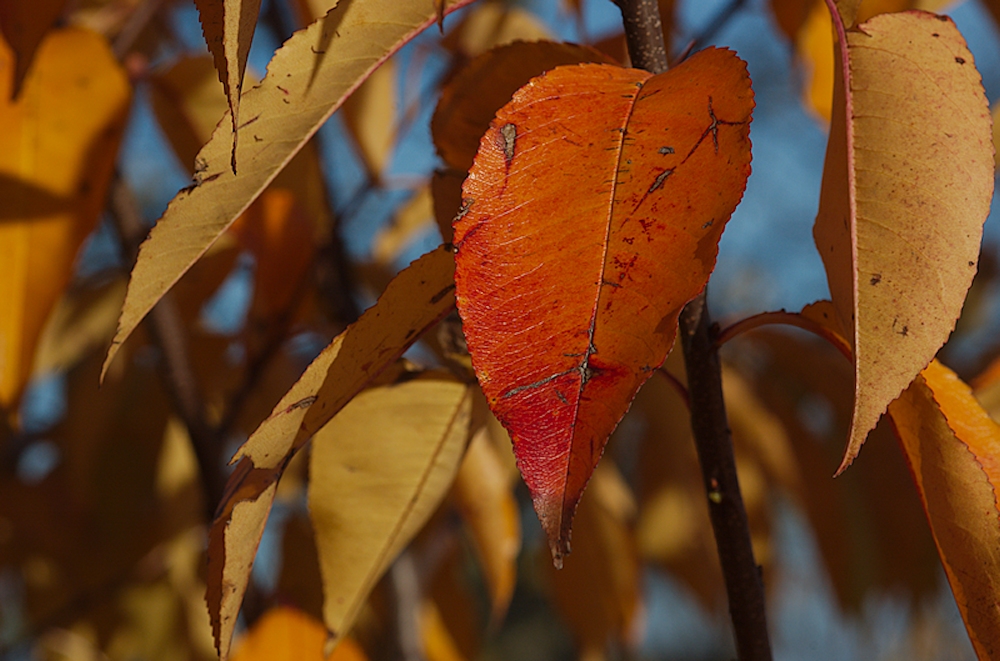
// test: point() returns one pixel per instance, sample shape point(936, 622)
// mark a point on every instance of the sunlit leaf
point(570, 286)
point(284, 225)
point(58, 145)
point(308, 79)
point(418, 297)
point(366, 508)
point(228, 26)
point(814, 40)
point(907, 185)
point(953, 448)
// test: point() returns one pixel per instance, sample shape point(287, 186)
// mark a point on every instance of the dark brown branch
point(166, 327)
point(744, 586)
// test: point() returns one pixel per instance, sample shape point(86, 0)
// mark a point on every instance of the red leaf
point(591, 216)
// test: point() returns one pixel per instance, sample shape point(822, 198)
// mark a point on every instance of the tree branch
point(166, 327)
point(744, 586)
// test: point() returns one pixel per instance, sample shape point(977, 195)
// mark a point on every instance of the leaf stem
point(782, 317)
point(744, 586)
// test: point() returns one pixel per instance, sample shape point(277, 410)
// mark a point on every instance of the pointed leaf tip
point(566, 319)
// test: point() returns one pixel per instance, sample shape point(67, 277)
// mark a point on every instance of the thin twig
point(166, 327)
point(406, 588)
point(709, 31)
point(677, 385)
point(136, 23)
point(744, 586)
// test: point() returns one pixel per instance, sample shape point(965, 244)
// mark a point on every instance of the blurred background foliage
point(105, 491)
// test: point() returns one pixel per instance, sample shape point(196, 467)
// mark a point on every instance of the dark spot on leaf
point(666, 150)
point(972, 263)
point(509, 134)
point(441, 294)
point(877, 278)
point(960, 60)
point(935, 34)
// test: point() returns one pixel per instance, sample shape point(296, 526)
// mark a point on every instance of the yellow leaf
point(24, 26)
point(58, 146)
point(373, 486)
point(907, 185)
point(308, 79)
point(953, 448)
point(491, 24)
point(286, 634)
point(188, 105)
point(417, 298)
point(370, 117)
point(228, 26)
point(284, 225)
point(484, 496)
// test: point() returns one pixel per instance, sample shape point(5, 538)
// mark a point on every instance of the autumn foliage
point(360, 428)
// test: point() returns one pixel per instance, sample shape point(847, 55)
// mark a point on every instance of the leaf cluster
point(372, 474)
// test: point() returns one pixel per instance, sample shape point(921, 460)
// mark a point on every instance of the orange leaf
point(591, 216)
point(469, 102)
point(286, 634)
point(907, 185)
point(953, 447)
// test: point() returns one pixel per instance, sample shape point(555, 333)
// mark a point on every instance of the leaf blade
point(603, 331)
point(903, 201)
point(315, 70)
point(366, 509)
point(417, 298)
point(952, 446)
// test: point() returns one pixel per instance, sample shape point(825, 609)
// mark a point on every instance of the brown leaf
point(24, 26)
point(598, 589)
